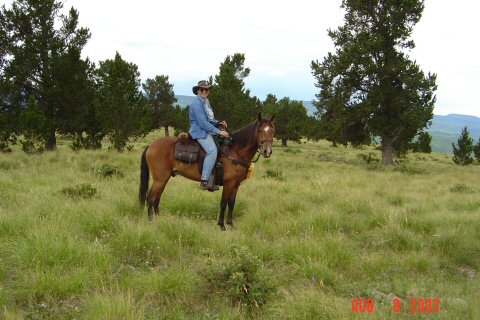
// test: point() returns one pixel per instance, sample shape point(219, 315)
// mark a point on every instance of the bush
point(461, 188)
point(274, 174)
point(241, 277)
point(410, 170)
point(84, 191)
point(35, 127)
point(370, 158)
point(32, 144)
point(108, 171)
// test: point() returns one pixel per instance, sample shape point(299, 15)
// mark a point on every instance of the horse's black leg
point(158, 188)
point(227, 190)
point(221, 217)
point(155, 205)
point(150, 205)
point(231, 205)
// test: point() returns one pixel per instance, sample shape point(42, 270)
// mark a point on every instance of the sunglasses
point(203, 90)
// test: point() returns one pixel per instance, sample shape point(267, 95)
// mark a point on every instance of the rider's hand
point(224, 133)
point(223, 123)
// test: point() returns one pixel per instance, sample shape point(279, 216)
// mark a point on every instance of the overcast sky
point(187, 40)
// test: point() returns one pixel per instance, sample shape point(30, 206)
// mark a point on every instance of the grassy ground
point(316, 228)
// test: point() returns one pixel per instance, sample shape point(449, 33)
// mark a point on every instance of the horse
point(158, 161)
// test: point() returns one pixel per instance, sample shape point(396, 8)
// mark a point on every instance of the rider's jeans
point(211, 149)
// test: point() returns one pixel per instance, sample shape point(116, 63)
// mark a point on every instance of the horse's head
point(264, 133)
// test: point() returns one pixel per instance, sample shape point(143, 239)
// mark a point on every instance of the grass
point(316, 227)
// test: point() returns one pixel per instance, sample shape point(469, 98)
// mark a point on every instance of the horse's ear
point(272, 117)
point(259, 116)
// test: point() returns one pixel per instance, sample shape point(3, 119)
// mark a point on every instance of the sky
point(188, 40)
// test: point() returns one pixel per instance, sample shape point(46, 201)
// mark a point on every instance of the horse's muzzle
point(267, 152)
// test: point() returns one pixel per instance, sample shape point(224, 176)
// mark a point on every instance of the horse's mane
point(245, 136)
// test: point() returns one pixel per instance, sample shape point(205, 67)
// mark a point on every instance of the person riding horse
point(203, 126)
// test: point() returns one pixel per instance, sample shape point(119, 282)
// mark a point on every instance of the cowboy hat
point(201, 84)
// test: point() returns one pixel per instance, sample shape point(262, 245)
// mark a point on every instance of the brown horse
point(158, 161)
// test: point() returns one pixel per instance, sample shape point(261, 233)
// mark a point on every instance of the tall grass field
point(320, 233)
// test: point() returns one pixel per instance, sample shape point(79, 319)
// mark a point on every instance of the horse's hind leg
point(155, 195)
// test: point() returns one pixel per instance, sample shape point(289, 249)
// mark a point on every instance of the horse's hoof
point(231, 225)
point(222, 227)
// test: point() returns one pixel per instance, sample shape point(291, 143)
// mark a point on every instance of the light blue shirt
point(202, 121)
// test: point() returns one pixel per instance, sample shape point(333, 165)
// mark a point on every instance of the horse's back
point(160, 153)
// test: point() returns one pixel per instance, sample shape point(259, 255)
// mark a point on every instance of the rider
point(202, 127)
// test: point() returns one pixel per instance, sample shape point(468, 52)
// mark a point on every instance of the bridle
point(244, 163)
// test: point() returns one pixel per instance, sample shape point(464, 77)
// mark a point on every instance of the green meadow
point(316, 228)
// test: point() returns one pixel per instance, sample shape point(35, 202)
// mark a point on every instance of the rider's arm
point(202, 119)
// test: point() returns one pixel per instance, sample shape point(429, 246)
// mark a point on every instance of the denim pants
point(211, 149)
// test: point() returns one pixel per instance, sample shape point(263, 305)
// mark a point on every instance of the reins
point(240, 161)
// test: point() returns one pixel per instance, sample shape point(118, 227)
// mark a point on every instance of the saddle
point(189, 151)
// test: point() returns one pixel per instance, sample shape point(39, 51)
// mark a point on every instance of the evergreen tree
point(424, 142)
point(476, 151)
point(270, 104)
point(462, 154)
point(369, 86)
point(290, 120)
point(228, 97)
point(421, 143)
point(121, 104)
point(181, 119)
point(160, 99)
point(43, 46)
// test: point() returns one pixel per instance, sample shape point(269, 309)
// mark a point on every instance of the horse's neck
point(247, 152)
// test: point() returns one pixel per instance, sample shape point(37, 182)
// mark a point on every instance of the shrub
point(461, 188)
point(241, 277)
point(80, 191)
point(32, 145)
point(370, 158)
point(291, 150)
point(108, 170)
point(410, 170)
point(274, 174)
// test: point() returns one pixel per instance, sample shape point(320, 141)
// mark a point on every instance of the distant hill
point(184, 101)
point(445, 130)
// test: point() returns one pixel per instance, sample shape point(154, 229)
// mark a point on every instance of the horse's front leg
point(227, 190)
point(231, 204)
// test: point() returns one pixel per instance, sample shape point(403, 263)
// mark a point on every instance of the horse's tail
point(144, 177)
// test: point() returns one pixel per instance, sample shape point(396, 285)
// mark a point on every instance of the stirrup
point(211, 184)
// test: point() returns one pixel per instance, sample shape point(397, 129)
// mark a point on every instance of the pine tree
point(476, 151)
point(121, 104)
point(424, 142)
point(229, 98)
point(369, 87)
point(290, 120)
point(43, 45)
point(462, 154)
point(159, 100)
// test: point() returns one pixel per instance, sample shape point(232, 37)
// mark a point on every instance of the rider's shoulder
point(196, 102)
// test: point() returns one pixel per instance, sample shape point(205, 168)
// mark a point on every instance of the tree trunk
point(166, 131)
point(284, 142)
point(387, 150)
point(51, 143)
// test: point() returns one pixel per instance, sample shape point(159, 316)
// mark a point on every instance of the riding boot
point(204, 185)
point(211, 184)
